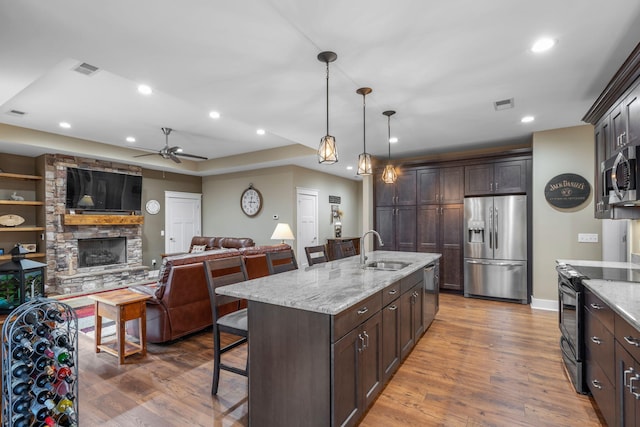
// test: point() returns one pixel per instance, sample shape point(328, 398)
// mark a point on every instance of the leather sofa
point(179, 303)
point(204, 243)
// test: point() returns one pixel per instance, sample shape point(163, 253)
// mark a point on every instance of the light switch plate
point(588, 237)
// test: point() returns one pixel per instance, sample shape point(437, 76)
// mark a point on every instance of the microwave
point(620, 178)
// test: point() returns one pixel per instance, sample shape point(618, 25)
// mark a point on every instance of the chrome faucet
point(363, 257)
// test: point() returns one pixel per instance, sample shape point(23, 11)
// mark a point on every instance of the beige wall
point(221, 202)
point(154, 184)
point(555, 231)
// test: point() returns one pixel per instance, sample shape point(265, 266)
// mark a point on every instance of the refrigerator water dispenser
point(475, 231)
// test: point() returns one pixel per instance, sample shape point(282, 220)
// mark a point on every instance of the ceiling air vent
point(16, 113)
point(505, 104)
point(86, 69)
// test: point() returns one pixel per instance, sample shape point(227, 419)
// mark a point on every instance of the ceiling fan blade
point(144, 155)
point(174, 149)
point(192, 156)
point(174, 158)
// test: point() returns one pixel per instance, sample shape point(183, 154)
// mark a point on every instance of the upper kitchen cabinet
point(498, 177)
point(402, 193)
point(440, 185)
point(615, 116)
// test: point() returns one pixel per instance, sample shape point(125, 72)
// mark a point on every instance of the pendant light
point(389, 176)
point(364, 159)
point(327, 152)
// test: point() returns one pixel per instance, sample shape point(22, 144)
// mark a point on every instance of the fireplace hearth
point(102, 251)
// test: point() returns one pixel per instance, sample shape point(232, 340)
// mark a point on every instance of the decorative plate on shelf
point(11, 220)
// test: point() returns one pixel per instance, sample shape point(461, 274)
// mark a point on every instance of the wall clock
point(251, 201)
point(152, 206)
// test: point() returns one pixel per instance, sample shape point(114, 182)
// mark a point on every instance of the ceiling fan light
point(364, 164)
point(389, 176)
point(327, 152)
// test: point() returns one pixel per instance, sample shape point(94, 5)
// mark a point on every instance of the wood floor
point(482, 363)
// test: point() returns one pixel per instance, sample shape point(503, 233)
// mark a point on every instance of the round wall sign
point(567, 190)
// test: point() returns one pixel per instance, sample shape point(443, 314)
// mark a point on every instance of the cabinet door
point(602, 152)
point(428, 226)
point(406, 328)
point(633, 116)
point(385, 226)
point(406, 188)
point(619, 127)
point(626, 403)
point(452, 185)
point(451, 248)
point(478, 180)
point(390, 339)
point(346, 394)
point(418, 311)
point(510, 177)
point(428, 185)
point(371, 359)
point(405, 228)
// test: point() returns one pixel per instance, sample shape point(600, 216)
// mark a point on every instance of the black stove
point(607, 273)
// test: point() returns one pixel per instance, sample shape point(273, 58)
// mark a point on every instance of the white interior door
point(183, 220)
point(307, 222)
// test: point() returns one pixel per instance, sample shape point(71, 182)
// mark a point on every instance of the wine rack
point(40, 365)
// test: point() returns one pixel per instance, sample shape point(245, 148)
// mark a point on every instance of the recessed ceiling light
point(65, 125)
point(261, 132)
point(527, 119)
point(131, 139)
point(145, 90)
point(543, 44)
point(393, 140)
point(214, 115)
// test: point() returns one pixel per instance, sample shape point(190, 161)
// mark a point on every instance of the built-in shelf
point(15, 229)
point(21, 202)
point(103, 219)
point(20, 176)
point(29, 255)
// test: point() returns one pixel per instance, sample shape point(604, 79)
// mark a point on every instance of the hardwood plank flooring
point(482, 363)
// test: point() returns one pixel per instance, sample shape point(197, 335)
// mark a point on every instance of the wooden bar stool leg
point(98, 327)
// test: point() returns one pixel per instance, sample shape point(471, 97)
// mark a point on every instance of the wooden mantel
point(71, 219)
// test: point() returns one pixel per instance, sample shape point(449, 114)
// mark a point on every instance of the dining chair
point(343, 249)
point(221, 272)
point(316, 254)
point(281, 261)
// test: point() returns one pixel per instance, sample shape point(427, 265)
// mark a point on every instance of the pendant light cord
point(327, 97)
point(364, 126)
point(389, 136)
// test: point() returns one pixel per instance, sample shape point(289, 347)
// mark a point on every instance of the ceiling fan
point(171, 152)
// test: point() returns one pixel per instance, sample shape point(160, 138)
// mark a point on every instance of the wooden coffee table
point(121, 305)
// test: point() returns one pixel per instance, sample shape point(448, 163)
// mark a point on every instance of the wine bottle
point(41, 345)
point(64, 374)
point(41, 411)
point(42, 362)
point(32, 317)
point(21, 386)
point(66, 421)
point(61, 338)
point(44, 378)
point(62, 356)
point(21, 405)
point(61, 406)
point(21, 369)
point(54, 314)
point(42, 329)
point(20, 420)
point(22, 336)
point(41, 394)
point(21, 352)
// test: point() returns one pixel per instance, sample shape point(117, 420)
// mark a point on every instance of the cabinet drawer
point(352, 317)
point(411, 280)
point(628, 337)
point(603, 392)
point(599, 345)
point(599, 309)
point(390, 293)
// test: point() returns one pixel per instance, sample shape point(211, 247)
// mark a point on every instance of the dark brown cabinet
point(401, 193)
point(397, 227)
point(390, 330)
point(440, 185)
point(499, 177)
point(627, 373)
point(357, 371)
point(440, 230)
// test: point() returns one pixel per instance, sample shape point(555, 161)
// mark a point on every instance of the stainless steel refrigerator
point(495, 250)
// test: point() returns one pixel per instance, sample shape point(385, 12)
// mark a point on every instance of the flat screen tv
point(98, 191)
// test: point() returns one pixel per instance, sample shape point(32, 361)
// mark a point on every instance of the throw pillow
point(198, 248)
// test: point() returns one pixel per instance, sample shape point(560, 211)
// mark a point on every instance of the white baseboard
point(544, 304)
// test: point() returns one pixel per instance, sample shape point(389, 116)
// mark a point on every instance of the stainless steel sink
point(386, 265)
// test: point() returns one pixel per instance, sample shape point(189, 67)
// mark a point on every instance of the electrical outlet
point(153, 262)
point(588, 237)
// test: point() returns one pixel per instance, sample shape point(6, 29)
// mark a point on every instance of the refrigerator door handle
point(490, 228)
point(495, 228)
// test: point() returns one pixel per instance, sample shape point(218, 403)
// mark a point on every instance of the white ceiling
point(440, 65)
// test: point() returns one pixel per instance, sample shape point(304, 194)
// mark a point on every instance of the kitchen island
point(326, 338)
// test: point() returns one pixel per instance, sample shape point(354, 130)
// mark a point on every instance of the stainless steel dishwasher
point(431, 292)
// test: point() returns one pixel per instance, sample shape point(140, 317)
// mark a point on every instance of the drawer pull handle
point(596, 340)
point(362, 346)
point(632, 389)
point(393, 307)
point(363, 310)
point(393, 291)
point(596, 384)
point(632, 341)
point(596, 306)
point(627, 372)
point(366, 344)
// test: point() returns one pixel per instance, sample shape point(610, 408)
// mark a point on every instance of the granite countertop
point(622, 297)
point(329, 287)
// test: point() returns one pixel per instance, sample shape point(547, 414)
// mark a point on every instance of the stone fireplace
point(87, 253)
point(102, 251)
